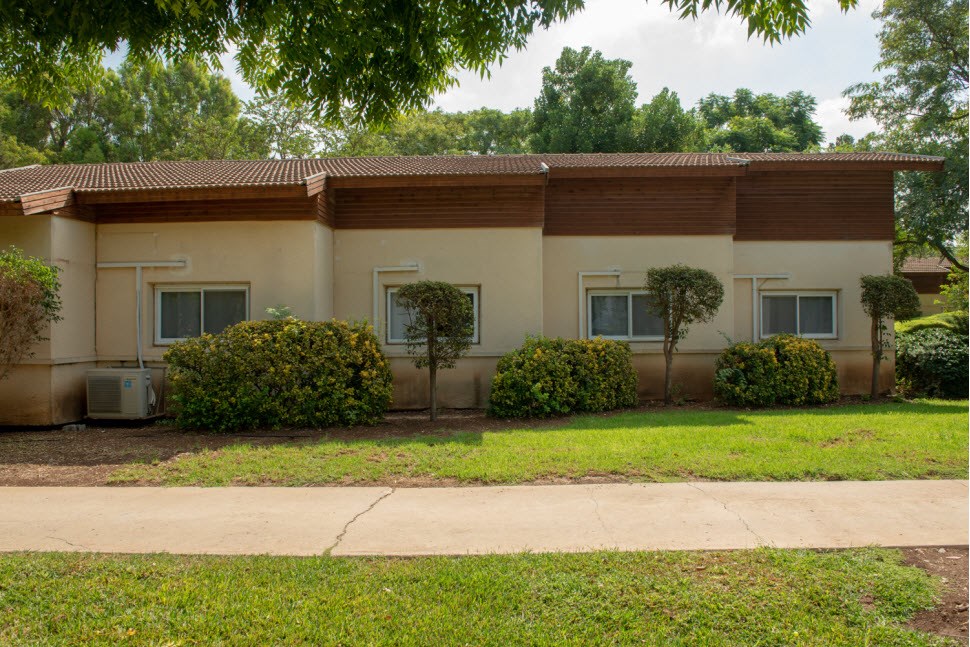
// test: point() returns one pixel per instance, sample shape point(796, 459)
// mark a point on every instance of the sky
point(692, 58)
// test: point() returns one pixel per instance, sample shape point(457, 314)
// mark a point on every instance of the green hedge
point(280, 373)
point(555, 376)
point(781, 370)
point(933, 362)
point(955, 321)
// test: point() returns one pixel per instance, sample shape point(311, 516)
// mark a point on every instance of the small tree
point(885, 297)
point(440, 330)
point(28, 301)
point(681, 296)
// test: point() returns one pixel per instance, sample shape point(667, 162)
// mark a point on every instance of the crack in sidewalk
point(81, 546)
point(596, 511)
point(357, 516)
point(761, 540)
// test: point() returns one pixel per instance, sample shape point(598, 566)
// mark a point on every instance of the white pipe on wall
point(138, 265)
point(754, 297)
point(413, 267)
point(582, 297)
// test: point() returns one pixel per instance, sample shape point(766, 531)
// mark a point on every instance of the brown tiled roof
point(177, 175)
point(636, 160)
point(931, 264)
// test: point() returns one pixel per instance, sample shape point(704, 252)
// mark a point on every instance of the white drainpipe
point(582, 300)
point(754, 298)
point(138, 279)
point(413, 267)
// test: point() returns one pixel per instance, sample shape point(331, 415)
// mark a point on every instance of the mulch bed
point(949, 617)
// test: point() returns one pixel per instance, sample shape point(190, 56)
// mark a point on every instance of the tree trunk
point(876, 357)
point(668, 377)
point(433, 374)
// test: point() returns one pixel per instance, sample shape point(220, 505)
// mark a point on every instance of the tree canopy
point(586, 105)
point(921, 106)
point(381, 58)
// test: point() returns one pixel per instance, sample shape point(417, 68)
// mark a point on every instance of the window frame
point(390, 291)
point(798, 294)
point(629, 293)
point(200, 288)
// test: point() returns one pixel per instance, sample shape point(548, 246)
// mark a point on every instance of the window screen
point(779, 314)
point(181, 314)
point(808, 315)
point(184, 312)
point(609, 315)
point(623, 315)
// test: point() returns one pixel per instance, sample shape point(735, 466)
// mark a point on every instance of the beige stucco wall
point(277, 260)
point(565, 256)
point(505, 264)
point(820, 265)
point(48, 388)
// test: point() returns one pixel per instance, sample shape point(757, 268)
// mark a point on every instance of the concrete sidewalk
point(471, 520)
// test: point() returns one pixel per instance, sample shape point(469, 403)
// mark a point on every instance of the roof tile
point(239, 173)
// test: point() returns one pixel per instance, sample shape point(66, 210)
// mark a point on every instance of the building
point(552, 244)
point(928, 276)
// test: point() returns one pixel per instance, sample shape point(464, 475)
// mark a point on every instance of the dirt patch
point(31, 457)
point(949, 617)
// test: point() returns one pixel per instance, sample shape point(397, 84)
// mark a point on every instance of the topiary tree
point(441, 328)
point(28, 302)
point(885, 297)
point(682, 295)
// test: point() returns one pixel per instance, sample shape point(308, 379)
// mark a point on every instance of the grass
point(761, 597)
point(925, 439)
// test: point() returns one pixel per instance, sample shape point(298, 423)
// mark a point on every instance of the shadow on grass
point(154, 443)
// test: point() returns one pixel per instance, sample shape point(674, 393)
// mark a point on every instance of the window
point(622, 314)
point(808, 314)
point(189, 311)
point(399, 317)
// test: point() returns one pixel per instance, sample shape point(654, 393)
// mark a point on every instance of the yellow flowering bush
point(556, 376)
point(280, 373)
point(783, 369)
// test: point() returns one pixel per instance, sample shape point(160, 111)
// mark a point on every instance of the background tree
point(751, 123)
point(921, 106)
point(663, 126)
point(884, 298)
point(586, 105)
point(28, 302)
point(312, 52)
point(441, 327)
point(135, 114)
point(290, 130)
point(681, 295)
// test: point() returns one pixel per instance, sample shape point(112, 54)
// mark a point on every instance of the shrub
point(604, 374)
point(784, 369)
point(955, 321)
point(933, 362)
point(555, 376)
point(746, 375)
point(806, 371)
point(280, 373)
point(28, 302)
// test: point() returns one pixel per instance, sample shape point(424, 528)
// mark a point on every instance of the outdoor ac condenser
point(123, 393)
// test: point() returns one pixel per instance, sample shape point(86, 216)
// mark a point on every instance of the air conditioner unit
point(122, 393)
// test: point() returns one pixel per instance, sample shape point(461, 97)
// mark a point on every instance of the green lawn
point(925, 439)
point(762, 597)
